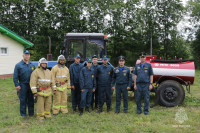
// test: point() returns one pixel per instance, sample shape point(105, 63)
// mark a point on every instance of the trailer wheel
point(171, 93)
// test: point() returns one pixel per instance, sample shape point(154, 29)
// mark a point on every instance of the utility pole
point(49, 56)
point(151, 45)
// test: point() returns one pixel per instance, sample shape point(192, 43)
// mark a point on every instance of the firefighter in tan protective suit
point(61, 78)
point(41, 85)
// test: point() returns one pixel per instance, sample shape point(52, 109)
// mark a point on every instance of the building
point(11, 51)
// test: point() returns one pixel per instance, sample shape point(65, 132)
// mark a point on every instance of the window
point(4, 51)
point(94, 47)
point(76, 47)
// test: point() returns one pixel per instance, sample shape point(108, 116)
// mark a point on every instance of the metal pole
point(49, 56)
point(49, 45)
point(151, 45)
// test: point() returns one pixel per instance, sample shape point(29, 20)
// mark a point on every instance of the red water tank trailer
point(169, 78)
point(184, 70)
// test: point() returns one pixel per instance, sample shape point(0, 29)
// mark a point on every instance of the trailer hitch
point(187, 84)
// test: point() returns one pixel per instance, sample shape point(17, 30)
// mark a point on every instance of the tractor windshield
point(91, 47)
point(94, 47)
point(76, 47)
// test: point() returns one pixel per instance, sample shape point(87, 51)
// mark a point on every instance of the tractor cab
point(85, 44)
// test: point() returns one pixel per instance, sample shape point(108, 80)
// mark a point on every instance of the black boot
point(81, 112)
point(100, 110)
point(92, 108)
point(87, 110)
point(108, 109)
point(96, 106)
point(74, 110)
point(79, 109)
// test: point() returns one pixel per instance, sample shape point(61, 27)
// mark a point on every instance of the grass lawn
point(160, 119)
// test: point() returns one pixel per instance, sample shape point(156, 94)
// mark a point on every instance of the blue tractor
point(85, 44)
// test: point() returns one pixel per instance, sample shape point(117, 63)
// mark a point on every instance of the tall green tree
point(59, 18)
point(196, 49)
point(131, 24)
point(169, 14)
point(194, 9)
point(22, 17)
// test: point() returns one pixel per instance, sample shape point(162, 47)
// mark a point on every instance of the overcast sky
point(185, 23)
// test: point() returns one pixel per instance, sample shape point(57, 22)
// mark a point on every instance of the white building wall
point(15, 52)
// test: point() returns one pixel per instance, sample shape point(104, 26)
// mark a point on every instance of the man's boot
point(81, 111)
point(87, 109)
point(100, 110)
point(74, 110)
point(108, 109)
point(96, 106)
point(92, 108)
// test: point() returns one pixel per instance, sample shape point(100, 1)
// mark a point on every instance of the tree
point(169, 14)
point(194, 9)
point(196, 49)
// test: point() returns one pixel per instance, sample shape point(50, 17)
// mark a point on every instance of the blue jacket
point(74, 70)
point(143, 74)
point(104, 74)
point(122, 77)
point(95, 68)
point(87, 78)
point(22, 72)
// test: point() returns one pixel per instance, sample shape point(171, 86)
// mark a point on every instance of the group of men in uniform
point(92, 84)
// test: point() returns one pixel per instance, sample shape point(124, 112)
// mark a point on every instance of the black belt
point(143, 82)
point(121, 83)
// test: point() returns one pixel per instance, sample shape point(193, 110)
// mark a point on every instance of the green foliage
point(194, 9)
point(131, 24)
point(196, 48)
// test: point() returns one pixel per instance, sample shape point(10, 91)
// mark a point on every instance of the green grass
point(160, 119)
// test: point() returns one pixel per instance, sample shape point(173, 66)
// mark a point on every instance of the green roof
point(16, 37)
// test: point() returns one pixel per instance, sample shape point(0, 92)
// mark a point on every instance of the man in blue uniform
point(21, 79)
point(87, 85)
point(95, 94)
point(143, 83)
point(104, 74)
point(122, 80)
point(74, 70)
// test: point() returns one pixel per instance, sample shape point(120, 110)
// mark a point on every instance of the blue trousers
point(76, 96)
point(105, 90)
point(86, 98)
point(95, 97)
point(121, 89)
point(26, 98)
point(143, 90)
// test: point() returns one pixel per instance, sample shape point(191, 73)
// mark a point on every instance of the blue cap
point(89, 60)
point(77, 56)
point(142, 54)
point(26, 52)
point(121, 57)
point(105, 57)
point(94, 56)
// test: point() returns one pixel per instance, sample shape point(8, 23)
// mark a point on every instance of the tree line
point(131, 24)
